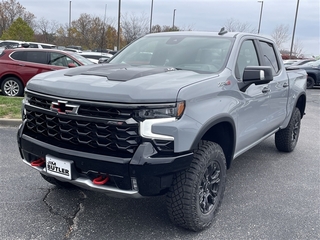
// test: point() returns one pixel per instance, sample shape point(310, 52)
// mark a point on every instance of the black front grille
point(105, 112)
point(87, 109)
point(91, 136)
point(165, 146)
point(40, 102)
point(96, 127)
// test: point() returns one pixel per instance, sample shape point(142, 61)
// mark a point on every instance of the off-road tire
point(196, 193)
point(310, 82)
point(12, 87)
point(286, 139)
point(56, 182)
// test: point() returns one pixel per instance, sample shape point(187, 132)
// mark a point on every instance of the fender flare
point(225, 118)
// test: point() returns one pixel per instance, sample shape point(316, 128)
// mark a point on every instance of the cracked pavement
point(269, 195)
point(66, 203)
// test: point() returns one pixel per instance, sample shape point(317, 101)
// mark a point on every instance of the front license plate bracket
point(59, 167)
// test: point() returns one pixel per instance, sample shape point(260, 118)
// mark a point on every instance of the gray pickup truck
point(167, 115)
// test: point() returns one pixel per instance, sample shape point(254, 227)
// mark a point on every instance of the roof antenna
point(222, 31)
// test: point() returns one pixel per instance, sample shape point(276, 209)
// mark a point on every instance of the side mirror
point(257, 74)
point(71, 65)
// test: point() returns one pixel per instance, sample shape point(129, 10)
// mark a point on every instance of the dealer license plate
point(58, 167)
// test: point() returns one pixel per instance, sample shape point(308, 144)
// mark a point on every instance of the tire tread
point(283, 136)
point(180, 200)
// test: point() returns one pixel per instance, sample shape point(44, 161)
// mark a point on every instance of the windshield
point(83, 60)
point(203, 54)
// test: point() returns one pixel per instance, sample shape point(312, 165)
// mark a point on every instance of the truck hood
point(116, 83)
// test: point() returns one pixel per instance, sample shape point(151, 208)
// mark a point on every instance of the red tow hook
point(38, 163)
point(101, 180)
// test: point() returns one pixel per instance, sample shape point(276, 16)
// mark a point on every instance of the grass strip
point(10, 107)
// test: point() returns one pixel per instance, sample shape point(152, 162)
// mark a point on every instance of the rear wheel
point(286, 139)
point(56, 182)
point(12, 87)
point(196, 193)
point(310, 82)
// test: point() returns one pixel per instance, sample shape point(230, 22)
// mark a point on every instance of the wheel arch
point(15, 78)
point(301, 104)
point(5, 76)
point(313, 75)
point(221, 131)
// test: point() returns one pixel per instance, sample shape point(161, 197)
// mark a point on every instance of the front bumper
point(146, 173)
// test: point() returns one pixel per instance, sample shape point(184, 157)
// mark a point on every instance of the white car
point(72, 50)
point(41, 45)
point(11, 43)
point(15, 44)
point(95, 56)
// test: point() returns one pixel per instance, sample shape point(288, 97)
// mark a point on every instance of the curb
point(10, 122)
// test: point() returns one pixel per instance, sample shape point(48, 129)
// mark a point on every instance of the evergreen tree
point(19, 30)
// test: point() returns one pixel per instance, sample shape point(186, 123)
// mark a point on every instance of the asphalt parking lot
point(269, 195)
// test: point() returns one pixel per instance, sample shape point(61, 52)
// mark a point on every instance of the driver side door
point(252, 116)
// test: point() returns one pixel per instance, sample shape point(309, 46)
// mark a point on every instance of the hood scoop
point(118, 72)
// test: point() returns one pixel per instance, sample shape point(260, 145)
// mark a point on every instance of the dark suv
point(18, 65)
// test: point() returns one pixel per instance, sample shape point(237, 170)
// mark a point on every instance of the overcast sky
point(199, 15)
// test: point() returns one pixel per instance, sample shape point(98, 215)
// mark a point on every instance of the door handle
point(265, 90)
point(21, 65)
point(285, 85)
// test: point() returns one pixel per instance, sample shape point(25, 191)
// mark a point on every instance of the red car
point(19, 65)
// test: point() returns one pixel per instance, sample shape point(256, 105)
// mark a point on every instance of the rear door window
point(37, 57)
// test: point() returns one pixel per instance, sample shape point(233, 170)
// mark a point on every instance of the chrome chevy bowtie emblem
point(62, 107)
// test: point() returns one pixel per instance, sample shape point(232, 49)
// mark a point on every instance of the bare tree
point(232, 25)
point(134, 26)
point(10, 10)
point(82, 27)
point(164, 28)
point(156, 28)
point(45, 30)
point(280, 35)
point(62, 35)
point(298, 49)
point(88, 31)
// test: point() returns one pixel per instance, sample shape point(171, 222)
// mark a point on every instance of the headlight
point(146, 128)
point(157, 115)
point(25, 100)
point(167, 111)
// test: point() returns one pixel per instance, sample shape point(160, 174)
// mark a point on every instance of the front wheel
point(196, 193)
point(286, 139)
point(12, 87)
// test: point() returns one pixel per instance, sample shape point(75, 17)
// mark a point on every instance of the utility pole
point(260, 16)
point(294, 28)
point(174, 16)
point(151, 15)
point(69, 20)
point(119, 12)
point(69, 14)
point(104, 28)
